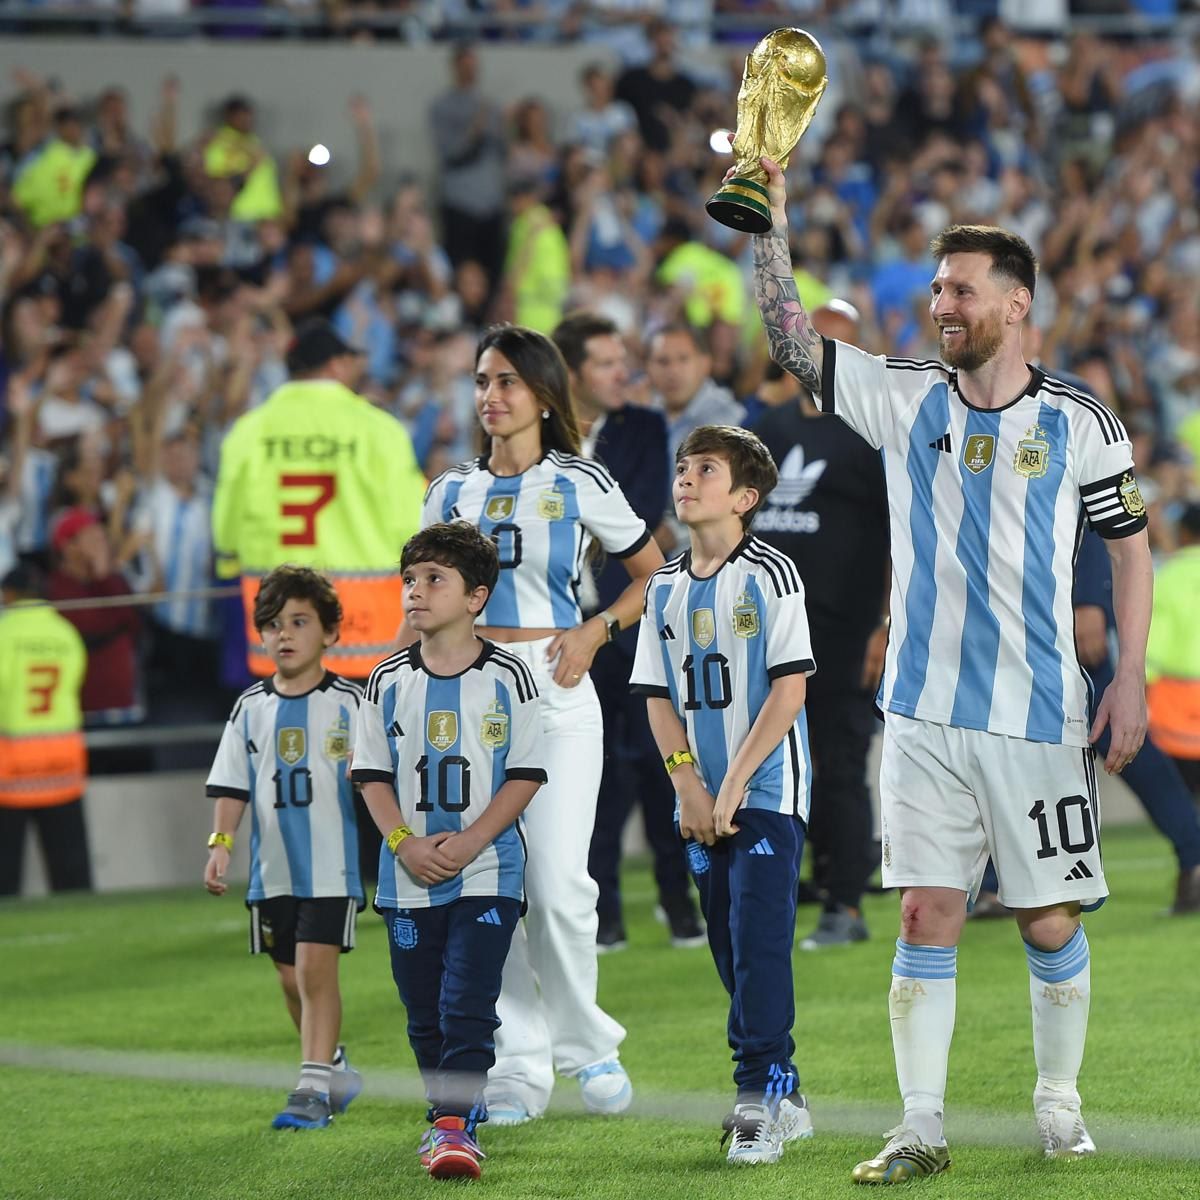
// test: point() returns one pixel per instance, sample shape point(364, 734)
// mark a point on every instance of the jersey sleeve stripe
point(1110, 427)
point(368, 775)
point(788, 567)
point(529, 774)
point(828, 374)
point(917, 364)
point(375, 681)
point(215, 791)
point(650, 689)
point(769, 569)
point(526, 688)
point(255, 689)
point(571, 462)
point(642, 542)
point(801, 666)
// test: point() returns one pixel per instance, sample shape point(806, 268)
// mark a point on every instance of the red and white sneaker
point(455, 1153)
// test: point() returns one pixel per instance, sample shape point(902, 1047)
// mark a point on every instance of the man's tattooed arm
point(795, 344)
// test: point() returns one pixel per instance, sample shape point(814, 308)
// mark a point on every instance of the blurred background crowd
point(151, 274)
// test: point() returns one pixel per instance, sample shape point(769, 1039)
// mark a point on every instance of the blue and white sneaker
point(345, 1082)
point(305, 1109)
point(605, 1087)
point(794, 1119)
point(756, 1138)
point(504, 1109)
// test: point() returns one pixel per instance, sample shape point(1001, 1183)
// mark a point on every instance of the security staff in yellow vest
point(319, 477)
point(43, 761)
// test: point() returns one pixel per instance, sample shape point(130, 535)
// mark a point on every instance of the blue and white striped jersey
point(713, 647)
point(447, 744)
point(286, 757)
point(986, 510)
point(543, 523)
point(180, 532)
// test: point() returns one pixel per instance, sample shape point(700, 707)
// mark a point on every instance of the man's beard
point(979, 344)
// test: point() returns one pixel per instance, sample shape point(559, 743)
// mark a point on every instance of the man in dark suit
point(632, 443)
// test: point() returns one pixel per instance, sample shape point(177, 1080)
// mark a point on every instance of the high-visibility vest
point(43, 660)
point(50, 188)
point(319, 477)
point(1173, 656)
point(231, 152)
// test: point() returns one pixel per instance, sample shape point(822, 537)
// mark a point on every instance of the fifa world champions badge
point(704, 627)
point(978, 452)
point(441, 729)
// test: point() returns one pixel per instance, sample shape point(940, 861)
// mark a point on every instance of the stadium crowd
point(150, 278)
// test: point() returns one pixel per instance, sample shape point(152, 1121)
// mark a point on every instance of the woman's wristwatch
point(611, 622)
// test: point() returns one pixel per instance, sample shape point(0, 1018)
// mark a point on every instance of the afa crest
point(404, 933)
point(1131, 498)
point(494, 731)
point(745, 616)
point(978, 452)
point(697, 858)
point(441, 729)
point(500, 508)
point(1033, 453)
point(704, 627)
point(552, 506)
point(291, 745)
point(337, 741)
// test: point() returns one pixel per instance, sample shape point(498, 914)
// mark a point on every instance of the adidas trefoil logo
point(491, 917)
point(796, 480)
point(763, 847)
point(1078, 871)
point(942, 443)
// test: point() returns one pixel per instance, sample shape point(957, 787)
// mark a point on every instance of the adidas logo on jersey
point(1078, 871)
point(667, 633)
point(763, 847)
point(781, 512)
point(942, 443)
point(491, 917)
point(394, 730)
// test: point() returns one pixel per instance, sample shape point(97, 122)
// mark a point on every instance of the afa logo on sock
point(697, 858)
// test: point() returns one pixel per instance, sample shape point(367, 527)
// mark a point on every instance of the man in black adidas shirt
point(829, 514)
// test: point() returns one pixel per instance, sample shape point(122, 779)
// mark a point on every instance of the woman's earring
point(545, 414)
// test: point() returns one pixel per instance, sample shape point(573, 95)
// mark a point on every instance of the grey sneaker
point(838, 928)
point(306, 1109)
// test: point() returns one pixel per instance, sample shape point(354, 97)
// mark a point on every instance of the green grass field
point(142, 1055)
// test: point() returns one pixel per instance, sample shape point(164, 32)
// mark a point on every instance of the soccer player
point(449, 755)
point(544, 507)
point(723, 656)
point(284, 754)
point(990, 465)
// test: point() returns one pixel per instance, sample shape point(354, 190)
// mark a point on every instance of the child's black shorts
point(276, 925)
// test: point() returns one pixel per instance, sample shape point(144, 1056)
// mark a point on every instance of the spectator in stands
point(468, 137)
point(112, 689)
point(537, 268)
point(49, 187)
point(677, 363)
point(603, 117)
point(235, 152)
point(661, 92)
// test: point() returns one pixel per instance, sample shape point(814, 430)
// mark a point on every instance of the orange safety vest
point(38, 770)
point(1174, 709)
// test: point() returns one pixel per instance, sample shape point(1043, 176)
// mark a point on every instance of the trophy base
point(741, 204)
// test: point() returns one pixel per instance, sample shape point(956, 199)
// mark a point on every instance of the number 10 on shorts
point(1075, 828)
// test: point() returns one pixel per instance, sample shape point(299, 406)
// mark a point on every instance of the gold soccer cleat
point(905, 1157)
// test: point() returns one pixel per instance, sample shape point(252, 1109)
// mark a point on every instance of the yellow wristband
point(221, 839)
point(674, 760)
point(397, 836)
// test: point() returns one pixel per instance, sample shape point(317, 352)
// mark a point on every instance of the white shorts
point(948, 796)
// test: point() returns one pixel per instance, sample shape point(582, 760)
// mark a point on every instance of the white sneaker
point(1062, 1131)
point(794, 1118)
point(504, 1109)
point(756, 1138)
point(605, 1087)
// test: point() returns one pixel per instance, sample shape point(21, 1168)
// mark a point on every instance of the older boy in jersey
point(723, 655)
point(448, 758)
point(990, 463)
point(283, 754)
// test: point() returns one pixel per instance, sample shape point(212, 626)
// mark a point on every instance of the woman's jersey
point(447, 745)
point(542, 522)
point(286, 757)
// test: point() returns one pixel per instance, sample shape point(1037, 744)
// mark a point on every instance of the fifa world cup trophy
point(781, 85)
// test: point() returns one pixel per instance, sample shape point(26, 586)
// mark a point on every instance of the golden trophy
point(781, 85)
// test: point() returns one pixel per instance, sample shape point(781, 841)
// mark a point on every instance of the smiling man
point(989, 464)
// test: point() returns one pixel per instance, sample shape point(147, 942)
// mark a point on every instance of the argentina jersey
point(447, 744)
point(286, 757)
point(542, 523)
point(713, 647)
point(986, 508)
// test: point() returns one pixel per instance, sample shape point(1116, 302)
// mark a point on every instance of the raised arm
point(795, 344)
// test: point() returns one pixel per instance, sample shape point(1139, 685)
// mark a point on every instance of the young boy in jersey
point(447, 754)
point(283, 754)
point(723, 655)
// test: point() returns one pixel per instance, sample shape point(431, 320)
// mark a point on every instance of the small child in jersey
point(723, 654)
point(447, 755)
point(283, 755)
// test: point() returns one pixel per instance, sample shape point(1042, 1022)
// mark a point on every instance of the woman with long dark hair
point(544, 506)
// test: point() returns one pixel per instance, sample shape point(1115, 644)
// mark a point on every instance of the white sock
point(921, 1003)
point(315, 1076)
point(1060, 989)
